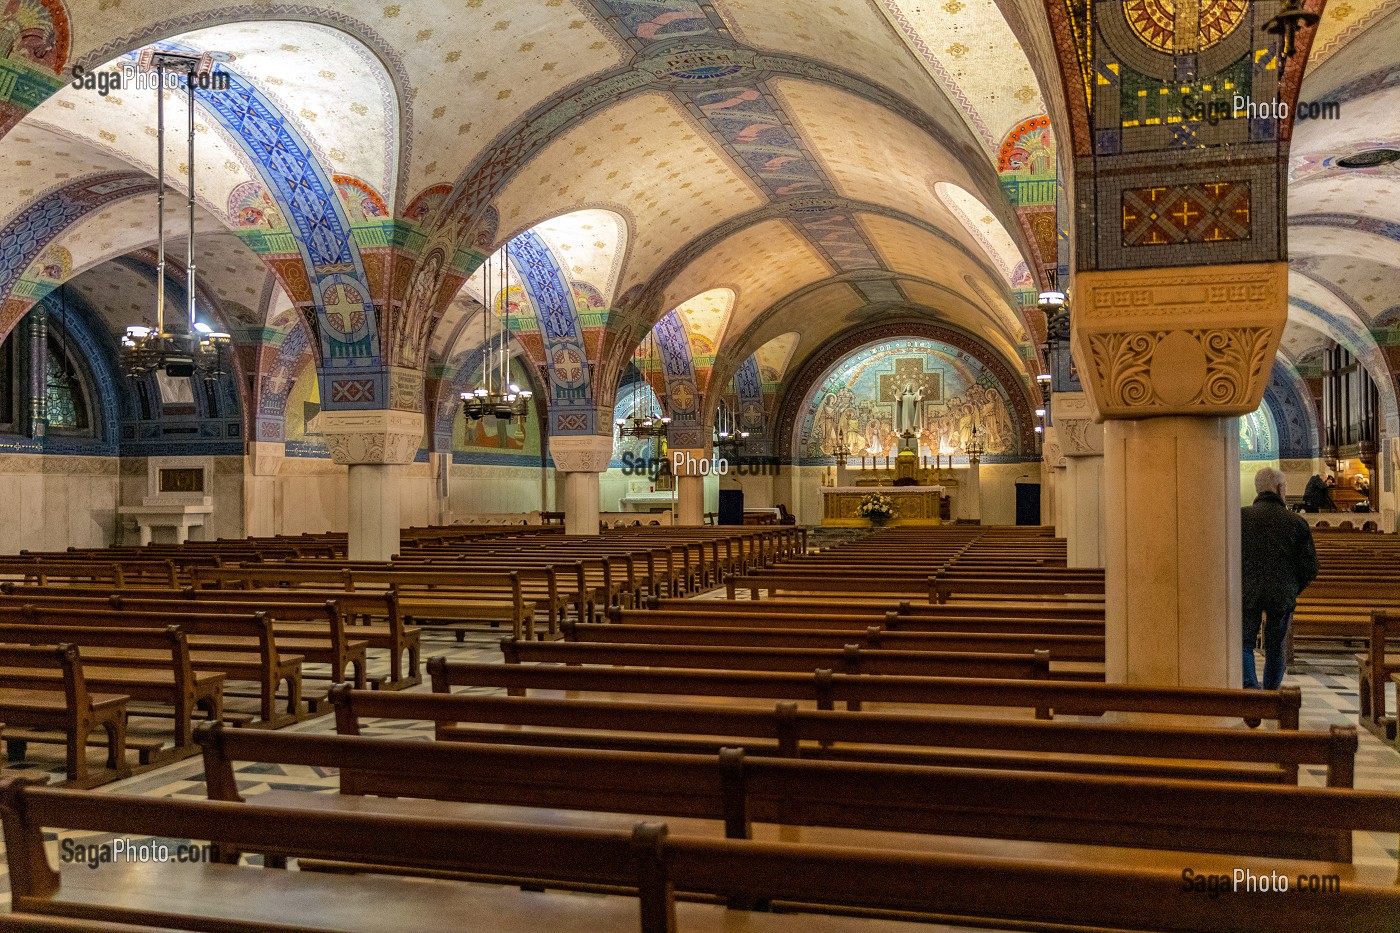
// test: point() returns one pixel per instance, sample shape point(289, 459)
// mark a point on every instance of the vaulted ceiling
point(777, 172)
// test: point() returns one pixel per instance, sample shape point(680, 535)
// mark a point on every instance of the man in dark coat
point(1278, 562)
point(1317, 497)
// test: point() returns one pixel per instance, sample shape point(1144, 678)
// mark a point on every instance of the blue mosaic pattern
point(1294, 421)
point(303, 191)
point(748, 385)
point(571, 390)
point(39, 223)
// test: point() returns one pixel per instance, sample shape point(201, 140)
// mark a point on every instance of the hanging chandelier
point(496, 396)
point(195, 348)
point(728, 436)
point(647, 420)
point(1291, 18)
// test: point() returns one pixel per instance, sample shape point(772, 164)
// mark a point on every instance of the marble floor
point(1329, 697)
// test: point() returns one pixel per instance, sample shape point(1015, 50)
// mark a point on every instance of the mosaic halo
point(1156, 22)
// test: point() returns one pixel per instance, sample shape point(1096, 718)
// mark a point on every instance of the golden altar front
point(913, 505)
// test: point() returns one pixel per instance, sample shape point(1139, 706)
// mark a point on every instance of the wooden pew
point(647, 862)
point(735, 790)
point(889, 738)
point(167, 679)
point(968, 619)
point(848, 660)
point(1374, 669)
point(825, 689)
point(258, 661)
point(28, 700)
point(386, 631)
point(466, 598)
point(1060, 647)
point(315, 631)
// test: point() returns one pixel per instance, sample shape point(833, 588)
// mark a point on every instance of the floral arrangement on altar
point(877, 507)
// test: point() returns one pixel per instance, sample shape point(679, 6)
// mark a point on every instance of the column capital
point(1076, 424)
point(1051, 451)
point(585, 453)
point(381, 437)
point(1198, 340)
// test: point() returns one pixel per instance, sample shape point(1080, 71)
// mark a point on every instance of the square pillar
point(1081, 490)
point(375, 445)
point(1169, 359)
point(581, 460)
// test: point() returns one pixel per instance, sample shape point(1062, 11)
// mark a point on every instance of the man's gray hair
point(1268, 480)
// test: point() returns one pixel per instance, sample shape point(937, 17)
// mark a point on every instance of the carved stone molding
point(581, 453)
point(1051, 451)
point(1198, 340)
point(1078, 433)
point(382, 437)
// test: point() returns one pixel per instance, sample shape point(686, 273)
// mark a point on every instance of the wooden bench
point(253, 658)
point(1374, 670)
point(28, 700)
point(779, 581)
point(500, 598)
point(735, 790)
point(825, 689)
point(968, 619)
point(646, 862)
point(385, 631)
point(315, 631)
point(540, 583)
point(889, 738)
point(1060, 647)
point(111, 654)
point(851, 659)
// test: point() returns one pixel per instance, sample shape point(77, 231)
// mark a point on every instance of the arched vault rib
point(643, 305)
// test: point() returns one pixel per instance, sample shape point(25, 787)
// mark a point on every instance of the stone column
point(1051, 493)
point(261, 465)
point(1169, 358)
point(690, 466)
point(971, 508)
point(1081, 492)
point(375, 445)
point(581, 460)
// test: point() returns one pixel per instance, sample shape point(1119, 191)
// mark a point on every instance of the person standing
point(1278, 561)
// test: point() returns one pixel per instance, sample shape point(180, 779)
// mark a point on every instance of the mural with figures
point(490, 440)
point(935, 391)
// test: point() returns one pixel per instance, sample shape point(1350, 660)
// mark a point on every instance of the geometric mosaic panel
point(1206, 213)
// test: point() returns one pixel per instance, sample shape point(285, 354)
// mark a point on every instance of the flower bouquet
point(877, 507)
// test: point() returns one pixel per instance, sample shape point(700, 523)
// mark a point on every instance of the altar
point(913, 505)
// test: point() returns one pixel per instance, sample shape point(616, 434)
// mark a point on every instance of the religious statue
point(910, 418)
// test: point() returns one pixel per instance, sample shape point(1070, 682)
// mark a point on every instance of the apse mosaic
point(926, 387)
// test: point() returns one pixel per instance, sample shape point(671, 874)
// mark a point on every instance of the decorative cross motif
point(909, 371)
